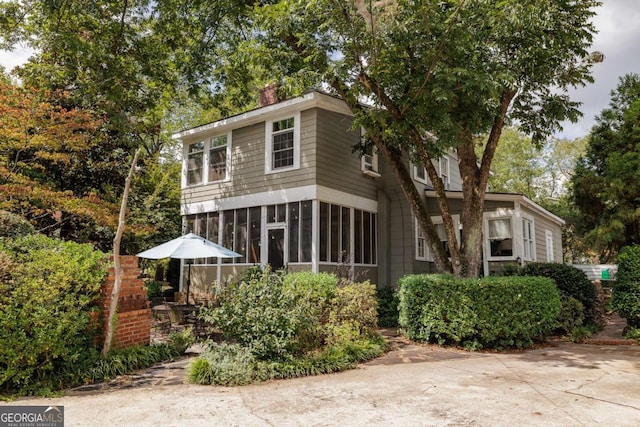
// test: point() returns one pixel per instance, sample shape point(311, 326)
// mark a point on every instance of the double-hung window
point(194, 163)
point(443, 164)
point(283, 144)
point(369, 160)
point(218, 159)
point(500, 237)
point(528, 252)
point(421, 243)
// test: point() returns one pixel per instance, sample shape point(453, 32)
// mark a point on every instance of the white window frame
point(188, 155)
point(227, 146)
point(268, 139)
point(428, 256)
point(491, 216)
point(548, 236)
point(444, 171)
point(368, 162)
point(529, 242)
point(421, 168)
point(422, 251)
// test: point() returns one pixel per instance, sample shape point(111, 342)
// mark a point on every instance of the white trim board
point(273, 197)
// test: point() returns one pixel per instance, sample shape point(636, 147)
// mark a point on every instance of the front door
point(275, 248)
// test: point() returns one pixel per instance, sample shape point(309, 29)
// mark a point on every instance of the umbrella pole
point(188, 283)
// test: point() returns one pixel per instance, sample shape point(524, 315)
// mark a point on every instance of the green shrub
point(153, 288)
point(570, 281)
point(625, 298)
point(233, 364)
point(493, 312)
point(12, 225)
point(387, 307)
point(289, 326)
point(45, 310)
point(571, 315)
point(275, 317)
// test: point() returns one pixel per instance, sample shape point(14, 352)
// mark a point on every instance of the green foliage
point(233, 364)
point(46, 302)
point(121, 362)
point(571, 315)
point(570, 281)
point(494, 312)
point(154, 288)
point(606, 183)
point(275, 319)
point(626, 289)
point(387, 307)
point(12, 225)
point(288, 326)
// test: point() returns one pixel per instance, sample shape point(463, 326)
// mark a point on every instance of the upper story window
point(219, 158)
point(208, 161)
point(194, 163)
point(369, 159)
point(500, 237)
point(444, 174)
point(548, 235)
point(283, 144)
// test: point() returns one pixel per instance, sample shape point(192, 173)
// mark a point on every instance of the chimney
point(268, 95)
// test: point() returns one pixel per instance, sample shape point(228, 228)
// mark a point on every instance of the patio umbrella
point(189, 246)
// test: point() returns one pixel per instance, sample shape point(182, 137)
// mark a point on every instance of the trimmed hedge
point(493, 312)
point(626, 289)
point(571, 282)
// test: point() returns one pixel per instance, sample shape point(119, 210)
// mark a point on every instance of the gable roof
point(311, 99)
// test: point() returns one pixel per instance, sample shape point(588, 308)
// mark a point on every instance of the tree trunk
point(475, 179)
point(115, 292)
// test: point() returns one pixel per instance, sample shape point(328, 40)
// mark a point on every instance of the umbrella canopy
point(188, 246)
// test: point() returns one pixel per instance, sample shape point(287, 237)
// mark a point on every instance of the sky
point(618, 38)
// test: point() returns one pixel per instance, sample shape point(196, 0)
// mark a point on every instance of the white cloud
point(618, 26)
point(11, 59)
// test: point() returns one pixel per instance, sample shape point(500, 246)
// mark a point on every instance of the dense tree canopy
point(37, 138)
point(606, 183)
point(439, 73)
point(111, 63)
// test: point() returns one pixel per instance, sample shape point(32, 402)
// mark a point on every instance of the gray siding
point(248, 164)
point(542, 224)
point(337, 166)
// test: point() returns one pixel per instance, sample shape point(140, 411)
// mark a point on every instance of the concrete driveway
point(561, 385)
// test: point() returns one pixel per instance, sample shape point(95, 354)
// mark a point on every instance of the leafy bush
point(570, 281)
point(153, 288)
point(625, 298)
point(493, 312)
point(273, 318)
point(571, 315)
point(45, 309)
point(12, 225)
point(287, 326)
point(387, 307)
point(233, 364)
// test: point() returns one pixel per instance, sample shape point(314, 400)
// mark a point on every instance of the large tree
point(110, 60)
point(437, 74)
point(36, 135)
point(606, 184)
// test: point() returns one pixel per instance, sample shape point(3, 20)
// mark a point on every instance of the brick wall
point(133, 324)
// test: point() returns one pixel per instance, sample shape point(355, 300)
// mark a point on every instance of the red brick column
point(133, 318)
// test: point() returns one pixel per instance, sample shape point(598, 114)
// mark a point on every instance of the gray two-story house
point(281, 185)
